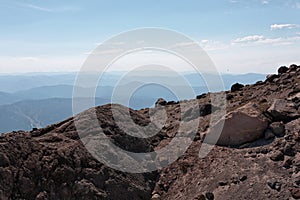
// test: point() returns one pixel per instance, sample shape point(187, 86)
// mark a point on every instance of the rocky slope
point(256, 157)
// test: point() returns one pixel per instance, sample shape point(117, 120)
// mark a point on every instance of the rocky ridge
point(256, 157)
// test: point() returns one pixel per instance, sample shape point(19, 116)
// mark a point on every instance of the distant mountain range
point(21, 82)
point(37, 100)
point(29, 114)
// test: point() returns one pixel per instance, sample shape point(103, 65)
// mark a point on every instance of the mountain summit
point(256, 157)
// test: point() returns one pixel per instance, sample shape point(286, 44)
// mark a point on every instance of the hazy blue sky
point(240, 36)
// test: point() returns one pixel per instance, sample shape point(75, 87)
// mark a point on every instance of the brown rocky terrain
point(256, 157)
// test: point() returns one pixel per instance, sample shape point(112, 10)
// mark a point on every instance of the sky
point(239, 36)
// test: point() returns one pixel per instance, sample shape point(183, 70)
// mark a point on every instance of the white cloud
point(254, 40)
point(35, 7)
point(264, 2)
point(282, 26)
point(192, 46)
point(209, 45)
point(184, 44)
point(249, 38)
point(44, 9)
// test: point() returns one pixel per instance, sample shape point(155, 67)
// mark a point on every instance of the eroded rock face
point(54, 164)
point(241, 126)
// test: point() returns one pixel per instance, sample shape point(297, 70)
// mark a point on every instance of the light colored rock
point(156, 196)
point(241, 126)
point(41, 196)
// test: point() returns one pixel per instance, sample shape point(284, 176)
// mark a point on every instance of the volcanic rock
point(236, 87)
point(283, 110)
point(269, 134)
point(209, 196)
point(54, 163)
point(293, 126)
point(272, 77)
point(245, 124)
point(229, 96)
point(278, 129)
point(206, 109)
point(277, 156)
point(161, 102)
point(293, 67)
point(289, 150)
point(283, 70)
point(295, 193)
point(156, 196)
point(275, 185)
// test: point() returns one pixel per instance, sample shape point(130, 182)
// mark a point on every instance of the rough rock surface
point(282, 69)
point(161, 102)
point(236, 87)
point(52, 163)
point(243, 125)
point(283, 110)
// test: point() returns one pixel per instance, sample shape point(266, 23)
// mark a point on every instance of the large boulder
point(161, 102)
point(207, 109)
point(282, 69)
point(241, 126)
point(236, 87)
point(293, 127)
point(293, 67)
point(271, 77)
point(283, 110)
point(277, 128)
